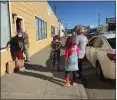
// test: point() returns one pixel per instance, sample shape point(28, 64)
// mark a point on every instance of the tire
point(99, 71)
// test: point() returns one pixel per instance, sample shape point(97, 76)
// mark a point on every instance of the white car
point(101, 52)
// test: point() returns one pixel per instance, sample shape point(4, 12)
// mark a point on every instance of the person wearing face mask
point(16, 46)
point(55, 49)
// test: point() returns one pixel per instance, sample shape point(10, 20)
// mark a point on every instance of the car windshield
point(112, 42)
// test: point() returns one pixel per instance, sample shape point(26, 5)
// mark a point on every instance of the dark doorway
point(19, 24)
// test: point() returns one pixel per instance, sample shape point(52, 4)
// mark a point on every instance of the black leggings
point(80, 67)
point(73, 75)
point(56, 59)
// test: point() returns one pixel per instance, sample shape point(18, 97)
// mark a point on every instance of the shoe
point(67, 85)
point(74, 84)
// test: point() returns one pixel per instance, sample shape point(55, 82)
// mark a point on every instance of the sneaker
point(67, 85)
point(74, 84)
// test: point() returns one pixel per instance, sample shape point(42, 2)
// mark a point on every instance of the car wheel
point(99, 71)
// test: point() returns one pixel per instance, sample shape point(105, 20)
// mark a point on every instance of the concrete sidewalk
point(37, 81)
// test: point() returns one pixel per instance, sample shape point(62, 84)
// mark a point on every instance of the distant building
point(61, 29)
point(104, 28)
point(93, 29)
point(109, 26)
point(110, 20)
point(87, 28)
point(70, 31)
point(93, 26)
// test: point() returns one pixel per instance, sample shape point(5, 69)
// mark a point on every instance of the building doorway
point(19, 24)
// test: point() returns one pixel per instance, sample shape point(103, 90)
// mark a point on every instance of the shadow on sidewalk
point(46, 68)
point(36, 67)
point(56, 76)
point(41, 76)
point(92, 80)
point(62, 63)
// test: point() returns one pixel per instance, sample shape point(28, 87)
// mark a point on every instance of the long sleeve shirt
point(81, 42)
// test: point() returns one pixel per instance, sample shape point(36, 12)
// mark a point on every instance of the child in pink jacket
point(71, 60)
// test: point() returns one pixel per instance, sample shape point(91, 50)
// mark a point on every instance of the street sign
point(110, 20)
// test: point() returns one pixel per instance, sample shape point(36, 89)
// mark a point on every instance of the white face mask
point(19, 35)
point(56, 40)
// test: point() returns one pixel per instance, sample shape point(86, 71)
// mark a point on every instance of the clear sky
point(73, 13)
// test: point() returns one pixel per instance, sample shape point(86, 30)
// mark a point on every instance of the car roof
point(108, 36)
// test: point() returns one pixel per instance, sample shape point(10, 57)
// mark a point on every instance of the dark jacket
point(16, 43)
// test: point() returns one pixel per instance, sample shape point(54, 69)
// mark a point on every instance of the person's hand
point(7, 48)
point(52, 49)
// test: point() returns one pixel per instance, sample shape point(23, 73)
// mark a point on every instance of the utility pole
point(98, 18)
point(55, 6)
point(98, 21)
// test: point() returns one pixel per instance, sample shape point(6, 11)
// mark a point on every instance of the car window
point(98, 43)
point(91, 42)
point(112, 42)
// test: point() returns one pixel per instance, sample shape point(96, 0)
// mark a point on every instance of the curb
point(82, 91)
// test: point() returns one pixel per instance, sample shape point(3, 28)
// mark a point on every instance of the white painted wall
point(61, 29)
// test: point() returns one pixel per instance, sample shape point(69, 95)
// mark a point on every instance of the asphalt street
point(95, 88)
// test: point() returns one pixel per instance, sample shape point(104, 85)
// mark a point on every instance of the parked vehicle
point(100, 51)
point(90, 35)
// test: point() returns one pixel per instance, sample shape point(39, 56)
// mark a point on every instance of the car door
point(88, 47)
point(97, 44)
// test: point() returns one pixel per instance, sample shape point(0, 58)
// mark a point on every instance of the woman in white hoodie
point(81, 41)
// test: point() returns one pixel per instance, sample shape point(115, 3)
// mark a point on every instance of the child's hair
point(70, 42)
point(56, 37)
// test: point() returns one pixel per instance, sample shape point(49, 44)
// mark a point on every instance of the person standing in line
point(81, 41)
point(26, 44)
point(71, 60)
point(55, 46)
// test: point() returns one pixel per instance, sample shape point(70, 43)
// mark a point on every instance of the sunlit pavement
point(37, 81)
